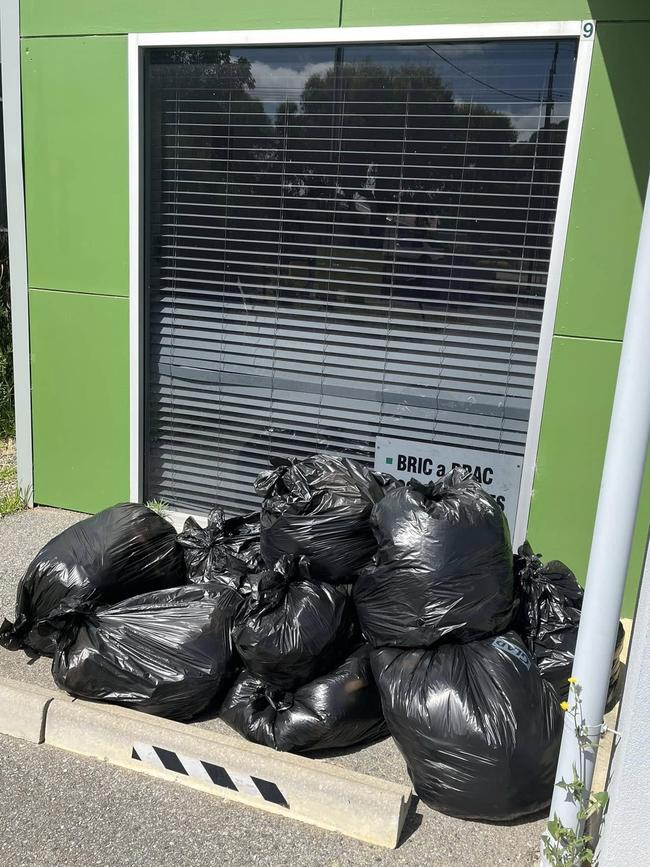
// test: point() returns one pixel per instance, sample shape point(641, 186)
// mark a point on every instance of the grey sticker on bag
point(513, 650)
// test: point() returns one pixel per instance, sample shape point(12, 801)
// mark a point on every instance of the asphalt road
point(60, 809)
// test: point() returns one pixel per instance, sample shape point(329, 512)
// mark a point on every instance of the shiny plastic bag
point(616, 678)
point(225, 547)
point(118, 553)
point(319, 507)
point(292, 629)
point(548, 618)
point(337, 710)
point(167, 653)
point(478, 727)
point(443, 568)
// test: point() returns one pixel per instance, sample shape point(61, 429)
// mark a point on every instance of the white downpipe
point(625, 458)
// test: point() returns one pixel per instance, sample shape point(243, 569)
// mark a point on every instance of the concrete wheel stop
point(307, 790)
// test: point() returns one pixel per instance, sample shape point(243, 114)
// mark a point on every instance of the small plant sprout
point(562, 846)
point(160, 507)
point(15, 501)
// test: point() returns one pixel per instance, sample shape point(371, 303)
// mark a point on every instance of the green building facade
point(76, 163)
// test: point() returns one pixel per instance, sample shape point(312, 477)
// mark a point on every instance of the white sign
point(498, 474)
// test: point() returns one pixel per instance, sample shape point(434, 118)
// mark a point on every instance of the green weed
point(570, 847)
point(7, 474)
point(160, 507)
point(15, 501)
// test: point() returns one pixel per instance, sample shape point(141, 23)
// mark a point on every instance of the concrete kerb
point(23, 710)
point(309, 791)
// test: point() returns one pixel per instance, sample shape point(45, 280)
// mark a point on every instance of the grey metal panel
point(624, 838)
point(13, 148)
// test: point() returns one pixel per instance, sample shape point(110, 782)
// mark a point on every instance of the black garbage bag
point(337, 710)
point(548, 617)
point(168, 653)
point(478, 727)
point(118, 553)
point(225, 548)
point(443, 567)
point(292, 629)
point(319, 507)
point(616, 677)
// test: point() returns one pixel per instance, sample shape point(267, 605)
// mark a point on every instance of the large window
point(344, 243)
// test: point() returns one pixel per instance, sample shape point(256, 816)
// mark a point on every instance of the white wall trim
point(13, 142)
point(556, 262)
point(324, 35)
point(511, 30)
point(136, 373)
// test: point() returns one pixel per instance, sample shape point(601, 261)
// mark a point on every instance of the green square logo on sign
point(499, 474)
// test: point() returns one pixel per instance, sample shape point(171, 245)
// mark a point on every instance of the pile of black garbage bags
point(351, 607)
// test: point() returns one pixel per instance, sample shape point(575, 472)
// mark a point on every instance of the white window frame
point(585, 30)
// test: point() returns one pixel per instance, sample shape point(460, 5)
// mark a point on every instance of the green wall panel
point(367, 12)
point(76, 163)
point(609, 187)
point(575, 425)
point(46, 17)
point(80, 399)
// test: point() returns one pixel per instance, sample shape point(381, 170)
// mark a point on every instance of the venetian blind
point(344, 243)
